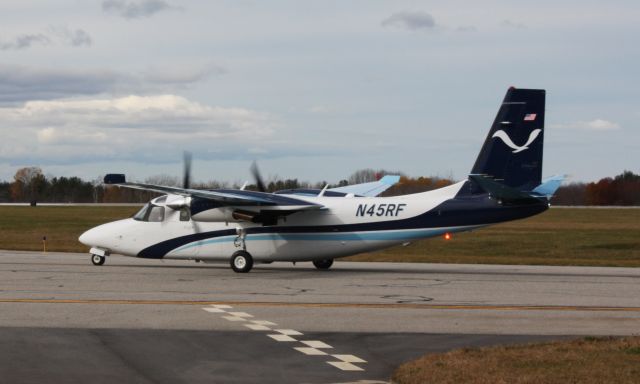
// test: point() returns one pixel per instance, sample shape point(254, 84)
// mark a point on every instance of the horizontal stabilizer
point(115, 178)
point(500, 191)
point(549, 186)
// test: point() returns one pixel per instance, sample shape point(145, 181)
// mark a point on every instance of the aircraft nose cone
point(89, 237)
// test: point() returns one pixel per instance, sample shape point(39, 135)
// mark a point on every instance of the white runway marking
point(310, 351)
point(288, 332)
point(240, 314)
point(315, 344)
point(214, 310)
point(257, 327)
point(312, 347)
point(349, 358)
point(345, 366)
point(263, 322)
point(221, 306)
point(280, 337)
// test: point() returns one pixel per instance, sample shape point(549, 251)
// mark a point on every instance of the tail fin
point(512, 151)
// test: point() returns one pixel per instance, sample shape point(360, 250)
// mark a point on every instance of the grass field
point(590, 237)
point(22, 228)
point(587, 360)
point(597, 237)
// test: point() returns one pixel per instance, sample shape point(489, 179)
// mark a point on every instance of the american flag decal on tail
point(530, 117)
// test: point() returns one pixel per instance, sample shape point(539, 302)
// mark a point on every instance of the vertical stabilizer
point(512, 151)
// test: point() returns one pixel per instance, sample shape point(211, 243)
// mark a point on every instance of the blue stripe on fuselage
point(380, 236)
point(458, 212)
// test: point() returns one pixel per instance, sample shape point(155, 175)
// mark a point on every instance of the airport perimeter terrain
point(149, 321)
point(560, 236)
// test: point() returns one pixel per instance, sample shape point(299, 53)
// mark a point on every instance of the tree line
point(623, 189)
point(31, 185)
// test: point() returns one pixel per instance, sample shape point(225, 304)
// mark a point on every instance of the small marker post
point(44, 244)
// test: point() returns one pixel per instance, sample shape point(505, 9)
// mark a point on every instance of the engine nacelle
point(177, 202)
point(206, 210)
point(221, 214)
point(211, 211)
point(226, 215)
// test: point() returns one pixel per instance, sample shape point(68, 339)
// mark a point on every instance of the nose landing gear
point(97, 259)
point(98, 255)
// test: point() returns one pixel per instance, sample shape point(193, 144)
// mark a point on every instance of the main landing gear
point(323, 264)
point(241, 261)
point(97, 259)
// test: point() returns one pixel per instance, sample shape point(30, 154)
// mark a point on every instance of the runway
point(65, 320)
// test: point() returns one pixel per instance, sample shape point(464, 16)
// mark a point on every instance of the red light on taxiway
point(447, 236)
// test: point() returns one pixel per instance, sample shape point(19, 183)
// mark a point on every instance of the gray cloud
point(467, 28)
point(410, 20)
point(24, 41)
point(592, 125)
point(130, 127)
point(135, 9)
point(184, 76)
point(512, 24)
point(60, 35)
point(75, 38)
point(20, 83)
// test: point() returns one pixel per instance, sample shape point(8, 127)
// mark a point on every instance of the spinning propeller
point(258, 178)
point(186, 175)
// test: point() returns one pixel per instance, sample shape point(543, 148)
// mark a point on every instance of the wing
point(369, 189)
point(222, 198)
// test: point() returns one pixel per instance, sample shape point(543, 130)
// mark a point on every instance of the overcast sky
point(311, 89)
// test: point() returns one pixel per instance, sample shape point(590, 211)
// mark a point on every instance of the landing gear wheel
point(241, 262)
point(97, 259)
point(323, 264)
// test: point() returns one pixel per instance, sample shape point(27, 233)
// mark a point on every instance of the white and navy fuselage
point(504, 184)
point(344, 226)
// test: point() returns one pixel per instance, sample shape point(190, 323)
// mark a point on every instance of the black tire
point(323, 264)
point(241, 262)
point(97, 259)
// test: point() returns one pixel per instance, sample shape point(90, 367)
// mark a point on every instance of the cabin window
point(156, 214)
point(185, 214)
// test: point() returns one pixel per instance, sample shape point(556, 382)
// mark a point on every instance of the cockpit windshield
point(150, 213)
point(141, 213)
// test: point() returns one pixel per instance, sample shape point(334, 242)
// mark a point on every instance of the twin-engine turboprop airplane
point(244, 227)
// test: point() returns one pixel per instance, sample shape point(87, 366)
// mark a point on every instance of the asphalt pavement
point(131, 320)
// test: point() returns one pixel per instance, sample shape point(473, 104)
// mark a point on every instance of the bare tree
point(28, 183)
